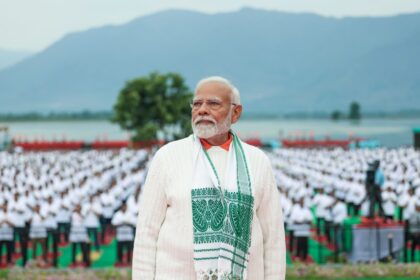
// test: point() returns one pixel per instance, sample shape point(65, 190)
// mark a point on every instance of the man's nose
point(203, 110)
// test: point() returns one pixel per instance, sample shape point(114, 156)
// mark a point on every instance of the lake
point(389, 132)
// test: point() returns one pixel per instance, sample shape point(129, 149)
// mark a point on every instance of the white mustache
point(204, 118)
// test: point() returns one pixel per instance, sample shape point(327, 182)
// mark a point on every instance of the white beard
point(209, 130)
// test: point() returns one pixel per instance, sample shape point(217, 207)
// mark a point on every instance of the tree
point(155, 103)
point(354, 113)
point(336, 115)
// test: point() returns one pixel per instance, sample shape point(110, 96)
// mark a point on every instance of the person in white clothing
point(108, 203)
point(301, 217)
point(329, 219)
point(6, 232)
point(339, 214)
point(133, 202)
point(38, 232)
point(358, 193)
point(365, 208)
point(124, 221)
point(79, 237)
point(49, 212)
point(406, 202)
point(407, 206)
point(286, 204)
point(210, 204)
point(291, 227)
point(29, 202)
point(92, 211)
point(414, 220)
point(19, 212)
point(389, 200)
point(321, 201)
point(64, 215)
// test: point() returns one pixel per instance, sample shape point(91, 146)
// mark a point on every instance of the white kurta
point(64, 211)
point(301, 218)
point(322, 202)
point(389, 201)
point(164, 238)
point(339, 213)
point(78, 231)
point(18, 209)
point(91, 211)
point(107, 205)
point(49, 212)
point(6, 230)
point(38, 228)
point(133, 204)
point(125, 222)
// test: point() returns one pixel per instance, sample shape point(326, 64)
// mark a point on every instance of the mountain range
point(11, 57)
point(280, 62)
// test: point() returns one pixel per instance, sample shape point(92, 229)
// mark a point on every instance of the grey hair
point(236, 98)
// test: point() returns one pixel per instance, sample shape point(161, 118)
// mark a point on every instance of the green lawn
point(294, 272)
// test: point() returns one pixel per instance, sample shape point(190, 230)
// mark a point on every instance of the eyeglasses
point(213, 105)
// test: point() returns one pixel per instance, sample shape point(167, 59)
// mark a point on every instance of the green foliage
point(336, 115)
point(354, 113)
point(158, 102)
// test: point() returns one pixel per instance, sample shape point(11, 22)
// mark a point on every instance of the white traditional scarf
point(222, 216)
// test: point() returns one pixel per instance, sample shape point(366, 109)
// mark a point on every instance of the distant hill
point(11, 57)
point(280, 62)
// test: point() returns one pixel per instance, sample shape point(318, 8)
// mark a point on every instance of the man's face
point(216, 113)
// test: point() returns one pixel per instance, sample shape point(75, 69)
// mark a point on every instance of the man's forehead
point(213, 89)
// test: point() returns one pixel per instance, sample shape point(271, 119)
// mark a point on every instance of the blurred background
point(299, 65)
point(324, 74)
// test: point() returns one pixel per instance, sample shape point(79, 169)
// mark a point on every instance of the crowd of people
point(48, 198)
point(78, 197)
point(333, 183)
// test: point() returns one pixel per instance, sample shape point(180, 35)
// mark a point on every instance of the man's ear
point(236, 114)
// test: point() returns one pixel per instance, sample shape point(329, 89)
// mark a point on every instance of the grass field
point(297, 271)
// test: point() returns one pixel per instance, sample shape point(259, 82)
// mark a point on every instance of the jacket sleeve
point(270, 216)
point(152, 213)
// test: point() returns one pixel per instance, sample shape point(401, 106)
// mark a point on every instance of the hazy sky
point(35, 24)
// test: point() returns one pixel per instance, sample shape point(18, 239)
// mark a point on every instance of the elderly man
point(210, 206)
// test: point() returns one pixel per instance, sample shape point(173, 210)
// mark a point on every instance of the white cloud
point(35, 24)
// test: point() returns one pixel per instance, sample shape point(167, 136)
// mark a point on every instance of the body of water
point(389, 132)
